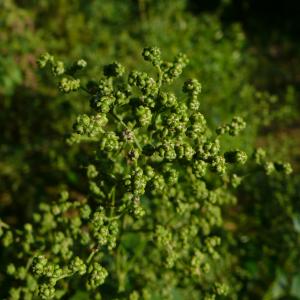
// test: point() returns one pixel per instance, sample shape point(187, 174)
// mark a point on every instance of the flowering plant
point(158, 178)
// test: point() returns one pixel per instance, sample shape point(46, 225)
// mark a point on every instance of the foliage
point(36, 163)
point(113, 31)
point(149, 222)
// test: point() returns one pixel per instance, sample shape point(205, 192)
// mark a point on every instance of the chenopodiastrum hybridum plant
point(149, 225)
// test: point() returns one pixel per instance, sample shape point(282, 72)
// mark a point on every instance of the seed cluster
point(158, 179)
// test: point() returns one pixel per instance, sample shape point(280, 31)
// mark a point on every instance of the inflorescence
point(157, 178)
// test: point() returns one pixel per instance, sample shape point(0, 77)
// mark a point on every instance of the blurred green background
point(246, 55)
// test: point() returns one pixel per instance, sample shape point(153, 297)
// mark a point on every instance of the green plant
point(150, 226)
point(35, 163)
point(31, 165)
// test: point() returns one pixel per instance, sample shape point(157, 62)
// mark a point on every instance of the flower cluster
point(67, 82)
point(269, 166)
point(233, 128)
point(157, 179)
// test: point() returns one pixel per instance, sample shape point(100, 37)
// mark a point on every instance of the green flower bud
point(110, 142)
point(283, 167)
point(81, 63)
point(39, 265)
point(91, 171)
point(77, 265)
point(269, 167)
point(199, 168)
point(235, 156)
point(97, 276)
point(69, 85)
point(58, 68)
point(11, 269)
point(188, 152)
point(44, 59)
point(98, 219)
point(81, 126)
point(137, 210)
point(152, 54)
point(235, 180)
point(103, 103)
point(46, 291)
point(144, 82)
point(144, 115)
point(234, 128)
point(237, 125)
point(85, 211)
point(259, 156)
point(7, 239)
point(114, 70)
point(221, 289)
point(64, 196)
point(168, 100)
point(218, 164)
point(15, 293)
point(128, 135)
point(192, 86)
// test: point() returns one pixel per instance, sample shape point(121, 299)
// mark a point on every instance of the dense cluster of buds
point(157, 178)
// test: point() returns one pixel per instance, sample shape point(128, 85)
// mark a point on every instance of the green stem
point(125, 126)
point(113, 200)
point(65, 275)
point(115, 217)
point(91, 256)
point(29, 262)
point(160, 74)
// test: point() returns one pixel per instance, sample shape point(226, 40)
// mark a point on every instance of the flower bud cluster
point(157, 178)
point(97, 276)
point(269, 166)
point(152, 54)
point(233, 128)
point(67, 83)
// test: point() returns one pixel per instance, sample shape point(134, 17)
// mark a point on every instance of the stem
point(160, 74)
point(92, 255)
point(119, 119)
point(121, 274)
point(29, 263)
point(113, 199)
point(115, 217)
point(65, 275)
point(125, 126)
